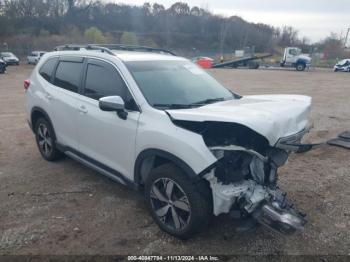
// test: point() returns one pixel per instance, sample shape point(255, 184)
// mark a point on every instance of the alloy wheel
point(44, 140)
point(170, 204)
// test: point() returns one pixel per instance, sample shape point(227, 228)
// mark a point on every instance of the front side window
point(176, 83)
point(101, 82)
point(292, 51)
point(47, 69)
point(68, 75)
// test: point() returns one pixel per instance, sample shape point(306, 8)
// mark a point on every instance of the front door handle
point(83, 109)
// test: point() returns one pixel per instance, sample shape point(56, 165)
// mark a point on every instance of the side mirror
point(113, 103)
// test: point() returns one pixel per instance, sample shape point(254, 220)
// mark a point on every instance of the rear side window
point(47, 69)
point(102, 81)
point(68, 75)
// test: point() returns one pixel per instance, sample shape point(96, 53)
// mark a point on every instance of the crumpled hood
point(273, 116)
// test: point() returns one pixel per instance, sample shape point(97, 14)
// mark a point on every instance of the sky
point(314, 19)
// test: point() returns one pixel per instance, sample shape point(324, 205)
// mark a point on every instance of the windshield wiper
point(208, 101)
point(191, 105)
point(174, 106)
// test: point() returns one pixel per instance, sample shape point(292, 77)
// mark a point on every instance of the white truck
point(294, 58)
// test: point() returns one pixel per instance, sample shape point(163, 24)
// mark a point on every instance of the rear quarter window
point(47, 68)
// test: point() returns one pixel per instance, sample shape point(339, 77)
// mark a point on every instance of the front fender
point(165, 136)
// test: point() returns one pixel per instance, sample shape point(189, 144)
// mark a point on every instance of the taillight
point(26, 84)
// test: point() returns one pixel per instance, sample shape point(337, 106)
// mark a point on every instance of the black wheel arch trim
point(42, 111)
point(188, 171)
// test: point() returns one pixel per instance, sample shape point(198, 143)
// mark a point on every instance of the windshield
point(179, 84)
point(343, 62)
point(6, 54)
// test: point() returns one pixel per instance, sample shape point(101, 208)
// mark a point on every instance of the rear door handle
point(83, 109)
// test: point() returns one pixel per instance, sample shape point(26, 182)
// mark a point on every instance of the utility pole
point(346, 38)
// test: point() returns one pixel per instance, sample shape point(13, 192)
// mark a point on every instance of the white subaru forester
point(159, 124)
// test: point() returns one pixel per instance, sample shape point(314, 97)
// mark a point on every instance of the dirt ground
point(66, 208)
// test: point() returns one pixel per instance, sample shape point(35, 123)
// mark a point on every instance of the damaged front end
point(245, 184)
point(244, 178)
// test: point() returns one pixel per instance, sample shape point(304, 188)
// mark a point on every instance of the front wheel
point(178, 206)
point(300, 67)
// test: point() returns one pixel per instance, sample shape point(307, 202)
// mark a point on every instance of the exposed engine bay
point(244, 178)
point(243, 182)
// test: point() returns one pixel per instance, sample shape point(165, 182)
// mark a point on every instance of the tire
point(300, 67)
point(46, 140)
point(180, 218)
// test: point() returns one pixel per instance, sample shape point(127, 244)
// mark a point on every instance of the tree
point(129, 38)
point(288, 36)
point(332, 46)
point(179, 8)
point(94, 35)
point(178, 27)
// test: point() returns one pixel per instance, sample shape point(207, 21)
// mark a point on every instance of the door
point(292, 55)
point(104, 136)
point(63, 96)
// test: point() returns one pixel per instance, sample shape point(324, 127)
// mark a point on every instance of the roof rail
point(108, 47)
point(87, 47)
point(137, 48)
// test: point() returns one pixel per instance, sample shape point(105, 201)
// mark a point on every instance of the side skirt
point(97, 166)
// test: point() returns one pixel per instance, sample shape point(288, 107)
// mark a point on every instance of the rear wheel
point(178, 206)
point(46, 140)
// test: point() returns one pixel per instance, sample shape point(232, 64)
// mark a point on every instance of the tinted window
point(47, 69)
point(68, 75)
point(101, 82)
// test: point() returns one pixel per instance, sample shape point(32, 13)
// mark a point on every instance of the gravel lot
point(66, 208)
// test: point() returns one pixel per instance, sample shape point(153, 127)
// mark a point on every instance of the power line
point(346, 38)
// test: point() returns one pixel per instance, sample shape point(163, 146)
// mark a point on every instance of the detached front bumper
point(282, 220)
point(293, 142)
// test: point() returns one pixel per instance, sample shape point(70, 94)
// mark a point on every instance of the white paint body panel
point(156, 131)
point(107, 138)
